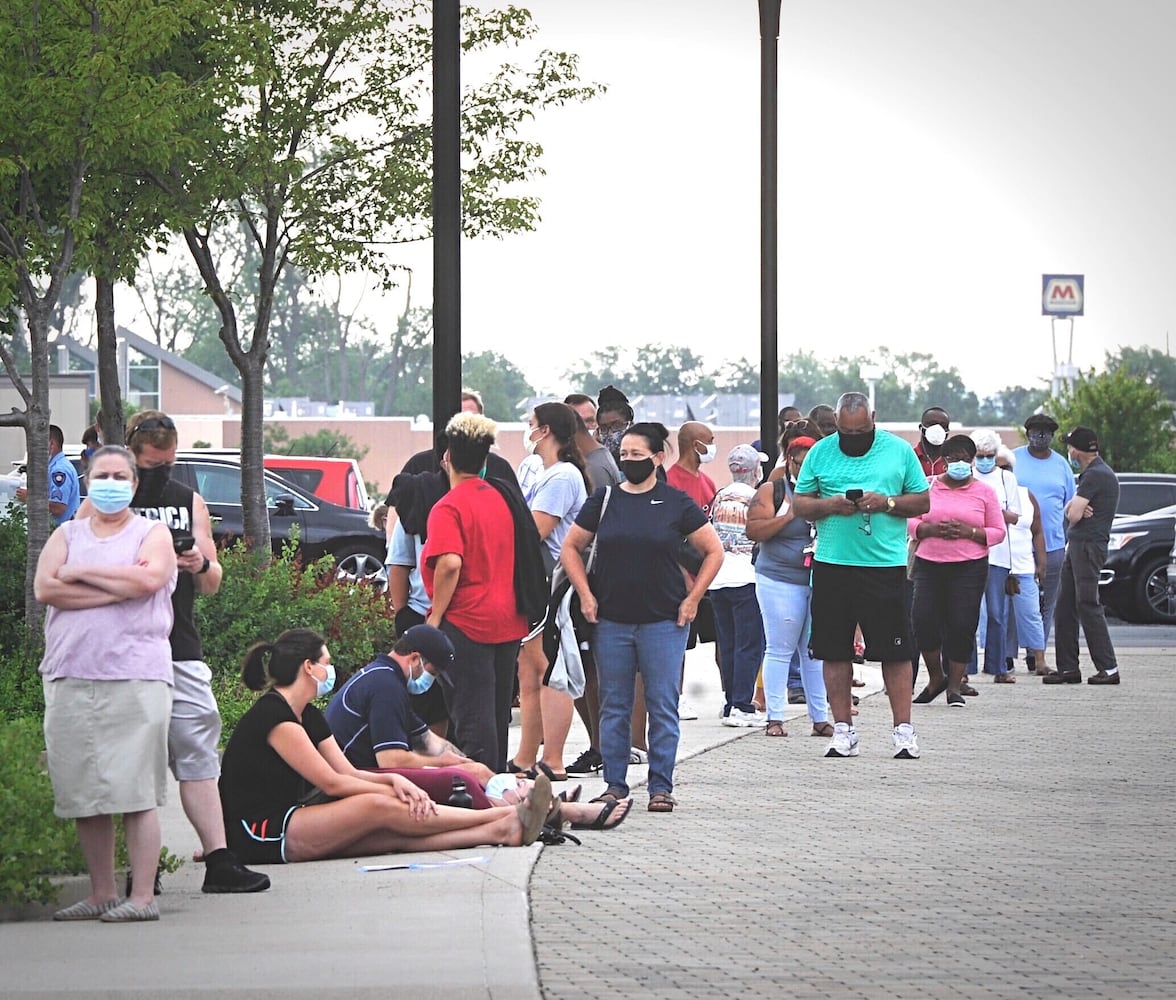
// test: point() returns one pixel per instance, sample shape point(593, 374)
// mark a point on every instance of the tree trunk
point(113, 424)
point(37, 443)
point(256, 515)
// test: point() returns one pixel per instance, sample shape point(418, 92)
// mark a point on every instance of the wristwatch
point(890, 503)
point(204, 568)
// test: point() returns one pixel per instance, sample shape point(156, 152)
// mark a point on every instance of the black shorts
point(260, 841)
point(845, 597)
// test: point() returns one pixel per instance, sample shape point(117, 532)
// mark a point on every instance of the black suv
point(323, 527)
point(1142, 492)
point(1134, 583)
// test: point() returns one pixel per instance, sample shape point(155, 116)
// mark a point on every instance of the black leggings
point(947, 606)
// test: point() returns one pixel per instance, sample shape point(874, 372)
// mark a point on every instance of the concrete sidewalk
point(1030, 853)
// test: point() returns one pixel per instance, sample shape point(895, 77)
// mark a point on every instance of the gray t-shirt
point(1099, 485)
point(558, 491)
point(602, 469)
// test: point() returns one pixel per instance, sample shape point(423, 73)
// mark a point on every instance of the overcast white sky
point(936, 159)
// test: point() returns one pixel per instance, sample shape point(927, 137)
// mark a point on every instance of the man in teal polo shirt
point(859, 486)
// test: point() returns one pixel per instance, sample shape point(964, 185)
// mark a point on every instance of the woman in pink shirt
point(951, 568)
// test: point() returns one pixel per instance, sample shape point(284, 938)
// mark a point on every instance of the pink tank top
point(127, 641)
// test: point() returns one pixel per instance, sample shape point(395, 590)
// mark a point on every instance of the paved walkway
point(1031, 852)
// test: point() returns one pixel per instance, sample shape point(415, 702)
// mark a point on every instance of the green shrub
point(14, 546)
point(35, 844)
point(21, 695)
point(257, 600)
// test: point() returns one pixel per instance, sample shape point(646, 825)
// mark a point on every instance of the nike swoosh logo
point(656, 501)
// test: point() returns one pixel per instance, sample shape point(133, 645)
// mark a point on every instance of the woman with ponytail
point(289, 793)
point(555, 498)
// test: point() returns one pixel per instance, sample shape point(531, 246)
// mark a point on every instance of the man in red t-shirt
point(467, 566)
point(696, 447)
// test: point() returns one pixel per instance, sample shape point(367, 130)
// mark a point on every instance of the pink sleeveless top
point(127, 641)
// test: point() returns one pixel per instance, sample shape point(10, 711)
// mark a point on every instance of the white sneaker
point(638, 756)
point(744, 720)
point(843, 744)
point(906, 746)
point(686, 710)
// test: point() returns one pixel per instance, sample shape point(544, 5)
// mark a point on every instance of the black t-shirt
point(373, 712)
point(173, 508)
point(1100, 486)
point(636, 578)
point(254, 780)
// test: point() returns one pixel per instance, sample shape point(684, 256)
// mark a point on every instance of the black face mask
point(637, 470)
point(855, 445)
point(152, 481)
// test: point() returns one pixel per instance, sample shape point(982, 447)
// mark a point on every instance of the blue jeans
point(1049, 591)
point(1024, 613)
point(655, 649)
point(993, 623)
point(739, 635)
point(787, 623)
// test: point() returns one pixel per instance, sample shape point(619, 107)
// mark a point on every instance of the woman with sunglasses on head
point(289, 793)
point(783, 586)
point(638, 599)
point(951, 569)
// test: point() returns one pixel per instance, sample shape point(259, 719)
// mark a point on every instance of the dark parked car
point(323, 527)
point(1141, 492)
point(1135, 584)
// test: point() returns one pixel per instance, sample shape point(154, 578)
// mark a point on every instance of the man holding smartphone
point(859, 486)
point(195, 726)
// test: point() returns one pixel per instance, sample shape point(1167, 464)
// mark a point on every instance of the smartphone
point(853, 496)
point(183, 543)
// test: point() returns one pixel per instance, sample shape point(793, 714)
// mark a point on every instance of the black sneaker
point(589, 762)
point(158, 884)
point(223, 872)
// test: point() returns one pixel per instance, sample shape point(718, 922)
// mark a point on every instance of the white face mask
point(527, 442)
point(708, 454)
point(935, 435)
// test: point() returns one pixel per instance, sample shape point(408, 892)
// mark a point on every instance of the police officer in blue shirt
point(64, 494)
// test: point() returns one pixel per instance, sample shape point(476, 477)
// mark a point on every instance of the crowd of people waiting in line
point(575, 583)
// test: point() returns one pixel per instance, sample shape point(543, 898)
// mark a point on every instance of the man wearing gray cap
point(1089, 515)
point(1048, 476)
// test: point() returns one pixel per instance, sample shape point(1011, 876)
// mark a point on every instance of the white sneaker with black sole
point(906, 746)
point(739, 719)
point(844, 742)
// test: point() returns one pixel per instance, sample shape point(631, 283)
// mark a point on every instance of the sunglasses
point(153, 424)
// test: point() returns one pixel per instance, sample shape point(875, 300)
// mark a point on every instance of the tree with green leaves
point(79, 89)
point(322, 159)
point(1149, 366)
point(1132, 419)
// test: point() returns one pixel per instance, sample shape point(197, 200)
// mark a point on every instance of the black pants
point(947, 606)
point(1078, 604)
point(478, 690)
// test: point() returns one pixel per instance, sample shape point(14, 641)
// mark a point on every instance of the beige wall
point(180, 393)
point(69, 408)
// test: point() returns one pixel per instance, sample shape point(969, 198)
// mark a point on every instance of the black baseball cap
point(1041, 422)
point(431, 643)
point(1081, 439)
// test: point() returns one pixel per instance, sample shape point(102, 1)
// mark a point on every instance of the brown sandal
point(822, 729)
point(661, 802)
point(775, 728)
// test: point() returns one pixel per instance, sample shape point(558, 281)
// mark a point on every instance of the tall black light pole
point(446, 211)
point(769, 11)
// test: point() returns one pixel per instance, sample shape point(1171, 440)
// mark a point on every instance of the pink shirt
point(974, 505)
point(127, 641)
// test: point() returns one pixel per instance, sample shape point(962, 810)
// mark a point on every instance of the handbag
point(912, 548)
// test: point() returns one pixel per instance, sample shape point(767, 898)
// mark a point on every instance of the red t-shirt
point(700, 488)
point(473, 521)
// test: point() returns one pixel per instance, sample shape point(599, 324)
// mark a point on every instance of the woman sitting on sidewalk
point(289, 794)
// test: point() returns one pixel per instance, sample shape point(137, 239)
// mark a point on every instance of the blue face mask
point(327, 684)
point(1075, 464)
point(109, 496)
point(985, 464)
point(959, 471)
point(419, 685)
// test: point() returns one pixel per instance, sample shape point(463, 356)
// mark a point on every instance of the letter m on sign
point(1062, 294)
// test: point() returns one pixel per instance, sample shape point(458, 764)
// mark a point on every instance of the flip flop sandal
point(601, 821)
point(662, 802)
point(775, 728)
point(549, 771)
point(608, 796)
point(526, 772)
point(822, 729)
point(533, 811)
point(572, 796)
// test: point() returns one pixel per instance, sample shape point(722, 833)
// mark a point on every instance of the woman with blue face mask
point(951, 569)
point(283, 746)
point(107, 675)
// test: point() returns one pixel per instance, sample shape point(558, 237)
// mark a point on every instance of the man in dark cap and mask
point(1090, 515)
point(1048, 476)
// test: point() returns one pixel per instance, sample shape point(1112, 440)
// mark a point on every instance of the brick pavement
point(1030, 853)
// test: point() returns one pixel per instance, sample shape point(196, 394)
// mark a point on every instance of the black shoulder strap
point(779, 490)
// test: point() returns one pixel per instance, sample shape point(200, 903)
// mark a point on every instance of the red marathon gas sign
point(1061, 294)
